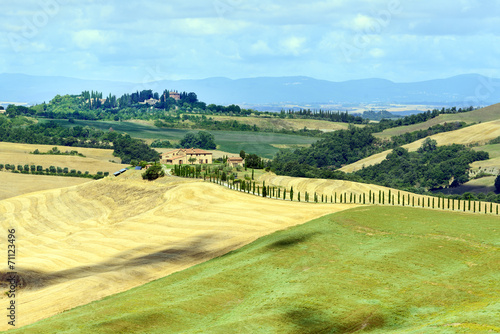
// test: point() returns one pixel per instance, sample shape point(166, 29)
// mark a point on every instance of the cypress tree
point(389, 196)
point(264, 191)
point(491, 207)
point(399, 198)
point(350, 199)
point(364, 198)
point(392, 199)
point(284, 194)
point(291, 193)
point(413, 201)
point(298, 196)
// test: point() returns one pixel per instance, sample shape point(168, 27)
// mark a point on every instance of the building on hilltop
point(182, 155)
point(176, 96)
point(151, 102)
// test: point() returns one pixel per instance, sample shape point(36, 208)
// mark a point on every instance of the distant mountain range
point(462, 90)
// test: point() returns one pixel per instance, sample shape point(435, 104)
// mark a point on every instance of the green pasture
point(369, 269)
point(259, 143)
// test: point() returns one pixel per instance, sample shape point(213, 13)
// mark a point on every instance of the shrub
point(153, 172)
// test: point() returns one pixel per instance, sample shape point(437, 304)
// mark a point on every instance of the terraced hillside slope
point(370, 269)
point(86, 242)
point(480, 134)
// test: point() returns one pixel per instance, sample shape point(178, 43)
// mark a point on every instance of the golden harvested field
point(18, 184)
point(480, 133)
point(486, 114)
point(95, 159)
point(86, 242)
point(327, 187)
point(98, 154)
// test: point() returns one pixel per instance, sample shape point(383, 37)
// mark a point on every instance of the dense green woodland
point(430, 167)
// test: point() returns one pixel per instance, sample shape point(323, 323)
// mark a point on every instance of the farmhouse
point(182, 156)
point(235, 161)
point(176, 96)
point(151, 102)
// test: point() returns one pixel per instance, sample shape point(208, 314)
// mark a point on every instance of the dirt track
point(82, 243)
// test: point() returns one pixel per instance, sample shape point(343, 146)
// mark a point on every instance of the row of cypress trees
point(372, 197)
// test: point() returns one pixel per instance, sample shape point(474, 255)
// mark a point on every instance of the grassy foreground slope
point(376, 269)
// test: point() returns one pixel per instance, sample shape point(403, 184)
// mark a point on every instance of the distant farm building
point(151, 102)
point(183, 155)
point(123, 170)
point(235, 161)
point(176, 96)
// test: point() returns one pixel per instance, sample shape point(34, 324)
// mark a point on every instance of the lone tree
point(192, 160)
point(497, 184)
point(153, 172)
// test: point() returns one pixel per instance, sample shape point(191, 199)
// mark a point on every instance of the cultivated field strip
point(83, 243)
point(480, 133)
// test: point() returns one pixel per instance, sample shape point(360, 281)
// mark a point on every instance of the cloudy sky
point(337, 40)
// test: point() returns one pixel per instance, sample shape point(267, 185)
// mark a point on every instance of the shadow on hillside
point(315, 320)
point(290, 241)
point(194, 250)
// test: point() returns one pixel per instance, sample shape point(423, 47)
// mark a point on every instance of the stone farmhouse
point(235, 161)
point(182, 155)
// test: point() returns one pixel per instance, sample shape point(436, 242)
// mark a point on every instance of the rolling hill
point(370, 269)
point(475, 134)
point(86, 242)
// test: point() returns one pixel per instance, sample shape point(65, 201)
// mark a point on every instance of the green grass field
point(493, 150)
point(370, 269)
point(259, 143)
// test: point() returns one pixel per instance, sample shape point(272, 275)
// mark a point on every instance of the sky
point(336, 40)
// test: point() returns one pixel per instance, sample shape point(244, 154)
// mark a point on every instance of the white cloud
point(293, 45)
point(377, 53)
point(86, 39)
